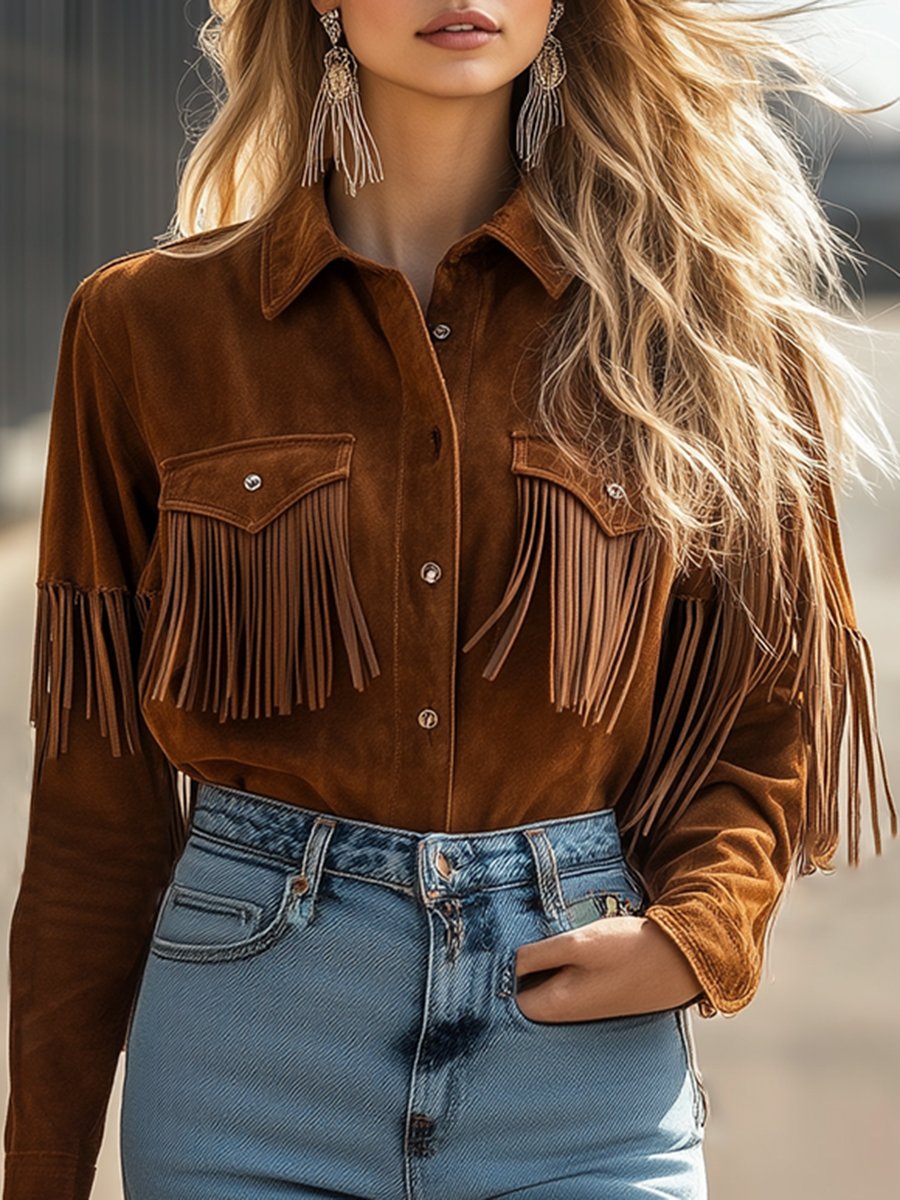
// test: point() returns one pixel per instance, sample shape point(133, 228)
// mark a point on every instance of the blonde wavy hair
point(703, 335)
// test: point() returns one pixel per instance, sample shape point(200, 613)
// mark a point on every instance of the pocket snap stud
point(252, 481)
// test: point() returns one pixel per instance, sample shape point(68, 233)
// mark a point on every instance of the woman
point(451, 501)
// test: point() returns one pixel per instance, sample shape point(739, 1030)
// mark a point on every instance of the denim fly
point(328, 1009)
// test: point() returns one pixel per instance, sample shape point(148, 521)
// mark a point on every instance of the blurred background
point(98, 100)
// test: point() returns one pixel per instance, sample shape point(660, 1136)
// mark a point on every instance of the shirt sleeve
point(716, 876)
point(105, 806)
point(767, 809)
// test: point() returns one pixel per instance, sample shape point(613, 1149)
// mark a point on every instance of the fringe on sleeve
point(86, 642)
point(717, 652)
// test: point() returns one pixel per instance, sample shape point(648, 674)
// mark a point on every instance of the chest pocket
point(602, 564)
point(254, 546)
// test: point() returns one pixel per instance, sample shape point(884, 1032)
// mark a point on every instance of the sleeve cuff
point(728, 969)
point(46, 1175)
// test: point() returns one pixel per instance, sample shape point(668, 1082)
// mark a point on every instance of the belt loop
point(552, 899)
point(425, 873)
point(306, 883)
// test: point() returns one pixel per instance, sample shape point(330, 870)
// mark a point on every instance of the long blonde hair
point(703, 335)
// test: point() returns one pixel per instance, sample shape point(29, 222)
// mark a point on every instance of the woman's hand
point(611, 967)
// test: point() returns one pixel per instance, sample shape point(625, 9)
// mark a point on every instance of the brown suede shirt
point(300, 538)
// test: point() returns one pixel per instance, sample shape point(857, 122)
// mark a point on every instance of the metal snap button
point(252, 482)
point(428, 718)
point(441, 331)
point(443, 864)
point(616, 490)
point(430, 572)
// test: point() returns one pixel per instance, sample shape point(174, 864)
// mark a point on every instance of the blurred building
point(861, 191)
point(92, 96)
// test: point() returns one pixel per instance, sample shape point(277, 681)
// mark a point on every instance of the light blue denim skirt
point(328, 1010)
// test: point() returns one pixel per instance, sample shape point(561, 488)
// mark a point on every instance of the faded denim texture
point(328, 1010)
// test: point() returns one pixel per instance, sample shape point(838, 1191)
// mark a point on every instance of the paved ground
point(805, 1082)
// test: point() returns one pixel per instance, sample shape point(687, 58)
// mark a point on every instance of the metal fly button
point(252, 482)
point(616, 490)
point(428, 718)
point(430, 572)
point(444, 866)
point(439, 332)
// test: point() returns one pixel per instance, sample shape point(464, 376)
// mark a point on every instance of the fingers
point(532, 979)
point(544, 954)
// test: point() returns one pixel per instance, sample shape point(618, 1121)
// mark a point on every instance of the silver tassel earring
point(338, 100)
point(541, 109)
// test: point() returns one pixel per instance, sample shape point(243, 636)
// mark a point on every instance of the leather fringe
point(853, 708)
point(717, 650)
point(706, 677)
point(102, 622)
point(253, 609)
point(105, 624)
point(598, 601)
point(715, 653)
point(182, 787)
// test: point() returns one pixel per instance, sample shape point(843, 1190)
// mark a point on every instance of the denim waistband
point(434, 864)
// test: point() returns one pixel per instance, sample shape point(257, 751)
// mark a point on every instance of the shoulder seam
point(108, 371)
point(99, 270)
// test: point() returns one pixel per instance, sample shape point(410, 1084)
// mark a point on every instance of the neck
point(447, 167)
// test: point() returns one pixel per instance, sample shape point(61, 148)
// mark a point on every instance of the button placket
point(430, 554)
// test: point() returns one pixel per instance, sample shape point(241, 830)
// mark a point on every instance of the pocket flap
point(613, 496)
point(248, 483)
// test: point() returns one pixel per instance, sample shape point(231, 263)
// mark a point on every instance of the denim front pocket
point(226, 901)
point(589, 891)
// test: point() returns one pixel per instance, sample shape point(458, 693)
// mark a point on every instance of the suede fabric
point(300, 538)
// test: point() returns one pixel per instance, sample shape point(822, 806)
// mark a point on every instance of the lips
point(461, 16)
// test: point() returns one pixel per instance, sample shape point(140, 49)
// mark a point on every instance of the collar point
point(559, 282)
point(270, 309)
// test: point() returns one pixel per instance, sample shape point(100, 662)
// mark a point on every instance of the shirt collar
point(299, 240)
